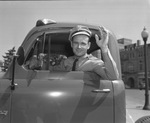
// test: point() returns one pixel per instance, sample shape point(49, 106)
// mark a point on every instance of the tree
point(1, 64)
point(8, 59)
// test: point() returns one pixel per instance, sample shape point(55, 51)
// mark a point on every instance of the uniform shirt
point(106, 68)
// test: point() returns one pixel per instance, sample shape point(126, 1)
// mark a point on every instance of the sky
point(126, 18)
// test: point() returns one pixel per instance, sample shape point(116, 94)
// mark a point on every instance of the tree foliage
point(8, 57)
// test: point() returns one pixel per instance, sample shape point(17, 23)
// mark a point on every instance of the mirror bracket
point(13, 73)
point(20, 55)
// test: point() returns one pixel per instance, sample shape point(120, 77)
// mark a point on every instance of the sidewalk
point(134, 105)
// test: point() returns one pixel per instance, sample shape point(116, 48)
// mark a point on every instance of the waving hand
point(102, 43)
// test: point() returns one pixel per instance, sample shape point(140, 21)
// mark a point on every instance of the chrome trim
point(4, 112)
point(101, 91)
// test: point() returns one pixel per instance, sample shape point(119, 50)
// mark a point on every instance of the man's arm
point(110, 66)
point(109, 69)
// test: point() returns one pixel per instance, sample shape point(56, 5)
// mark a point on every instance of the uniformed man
point(81, 61)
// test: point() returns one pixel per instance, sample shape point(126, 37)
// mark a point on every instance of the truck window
point(48, 50)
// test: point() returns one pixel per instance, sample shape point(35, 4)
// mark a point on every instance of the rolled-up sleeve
point(107, 69)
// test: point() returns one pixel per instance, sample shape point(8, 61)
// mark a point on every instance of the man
point(81, 61)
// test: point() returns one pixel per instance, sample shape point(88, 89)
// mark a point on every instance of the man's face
point(80, 44)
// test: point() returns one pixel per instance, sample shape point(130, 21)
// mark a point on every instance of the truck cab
point(39, 93)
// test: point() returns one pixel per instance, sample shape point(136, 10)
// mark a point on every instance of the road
point(135, 100)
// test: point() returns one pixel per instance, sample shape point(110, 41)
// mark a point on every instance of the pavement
point(135, 100)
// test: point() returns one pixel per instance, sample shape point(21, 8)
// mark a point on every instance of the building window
point(131, 67)
point(140, 65)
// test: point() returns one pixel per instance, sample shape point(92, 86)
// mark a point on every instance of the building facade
point(123, 42)
point(133, 64)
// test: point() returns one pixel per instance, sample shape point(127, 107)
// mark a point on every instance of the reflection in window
point(48, 50)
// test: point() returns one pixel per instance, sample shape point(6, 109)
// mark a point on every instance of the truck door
point(62, 97)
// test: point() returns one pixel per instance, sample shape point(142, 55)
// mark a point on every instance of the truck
point(35, 94)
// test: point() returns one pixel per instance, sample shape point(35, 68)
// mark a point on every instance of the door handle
point(3, 112)
point(101, 91)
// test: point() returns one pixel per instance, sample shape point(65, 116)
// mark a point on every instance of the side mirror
point(20, 54)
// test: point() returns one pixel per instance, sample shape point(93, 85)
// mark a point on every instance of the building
point(123, 42)
point(132, 63)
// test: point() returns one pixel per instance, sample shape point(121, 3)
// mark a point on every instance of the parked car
point(141, 85)
point(40, 95)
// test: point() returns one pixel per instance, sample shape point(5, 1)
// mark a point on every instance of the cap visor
point(81, 33)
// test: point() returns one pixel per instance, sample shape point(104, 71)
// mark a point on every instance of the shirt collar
point(86, 56)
